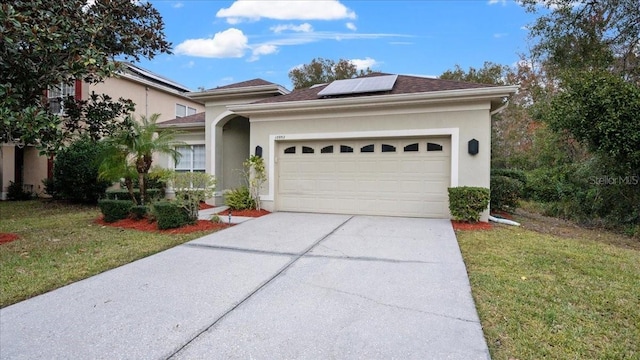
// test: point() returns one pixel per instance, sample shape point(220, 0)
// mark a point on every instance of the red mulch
point(461, 225)
point(247, 213)
point(205, 206)
point(502, 214)
point(8, 237)
point(145, 225)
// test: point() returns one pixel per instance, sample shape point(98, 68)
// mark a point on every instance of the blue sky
point(217, 43)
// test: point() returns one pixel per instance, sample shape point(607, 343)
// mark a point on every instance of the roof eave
point(494, 94)
point(182, 126)
point(239, 92)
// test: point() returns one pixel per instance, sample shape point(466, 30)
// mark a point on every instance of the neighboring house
point(150, 92)
point(378, 145)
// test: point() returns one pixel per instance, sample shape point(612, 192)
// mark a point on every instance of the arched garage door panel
point(397, 177)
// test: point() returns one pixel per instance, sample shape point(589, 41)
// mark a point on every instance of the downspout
point(146, 101)
point(500, 109)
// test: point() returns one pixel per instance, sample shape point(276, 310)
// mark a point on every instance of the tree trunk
point(143, 188)
point(129, 185)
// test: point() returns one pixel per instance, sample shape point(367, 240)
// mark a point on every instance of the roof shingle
point(191, 119)
point(404, 85)
point(248, 83)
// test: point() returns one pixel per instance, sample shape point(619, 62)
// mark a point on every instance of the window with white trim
point(192, 158)
point(57, 93)
point(183, 110)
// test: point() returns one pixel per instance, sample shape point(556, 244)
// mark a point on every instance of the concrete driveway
point(287, 285)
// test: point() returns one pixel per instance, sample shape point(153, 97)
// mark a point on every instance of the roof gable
point(248, 83)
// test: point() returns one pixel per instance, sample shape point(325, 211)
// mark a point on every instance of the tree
point(133, 148)
point(46, 43)
point(602, 34)
point(320, 71)
point(490, 73)
point(601, 110)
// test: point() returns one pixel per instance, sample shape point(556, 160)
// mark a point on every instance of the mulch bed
point(465, 226)
point(247, 213)
point(502, 214)
point(205, 206)
point(146, 225)
point(8, 237)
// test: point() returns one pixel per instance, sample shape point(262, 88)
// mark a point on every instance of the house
point(150, 92)
point(382, 144)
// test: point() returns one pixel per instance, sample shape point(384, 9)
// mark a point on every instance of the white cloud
point(189, 65)
point(226, 44)
point(264, 49)
point(285, 10)
point(351, 26)
point(177, 5)
point(362, 64)
point(500, 35)
point(305, 27)
point(400, 43)
point(493, 2)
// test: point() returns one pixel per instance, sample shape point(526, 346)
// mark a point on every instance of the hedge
point(114, 210)
point(170, 215)
point(505, 193)
point(123, 194)
point(467, 203)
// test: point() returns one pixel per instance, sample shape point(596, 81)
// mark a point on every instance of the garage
point(391, 176)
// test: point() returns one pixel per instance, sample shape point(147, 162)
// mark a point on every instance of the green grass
point(60, 244)
point(543, 296)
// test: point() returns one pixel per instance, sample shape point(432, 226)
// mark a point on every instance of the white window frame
point(188, 111)
point(60, 92)
point(191, 167)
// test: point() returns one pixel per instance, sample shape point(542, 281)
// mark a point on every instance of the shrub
point(75, 171)
point(466, 203)
point(114, 210)
point(191, 189)
point(49, 187)
point(239, 199)
point(15, 191)
point(138, 211)
point(505, 192)
point(511, 173)
point(170, 214)
point(123, 194)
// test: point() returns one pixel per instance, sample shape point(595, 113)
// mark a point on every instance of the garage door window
point(307, 150)
point(367, 149)
point(434, 147)
point(388, 148)
point(346, 149)
point(327, 150)
point(290, 150)
point(411, 147)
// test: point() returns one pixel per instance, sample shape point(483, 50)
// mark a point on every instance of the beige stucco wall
point(7, 168)
point(35, 169)
point(148, 100)
point(472, 120)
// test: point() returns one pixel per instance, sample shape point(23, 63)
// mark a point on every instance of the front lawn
point(60, 243)
point(569, 296)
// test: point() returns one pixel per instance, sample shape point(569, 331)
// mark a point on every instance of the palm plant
point(131, 152)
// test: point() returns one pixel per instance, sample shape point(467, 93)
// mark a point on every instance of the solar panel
point(359, 85)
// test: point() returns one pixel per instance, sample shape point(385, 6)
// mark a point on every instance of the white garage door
point(396, 177)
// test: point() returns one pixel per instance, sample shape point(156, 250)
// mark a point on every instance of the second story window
point(183, 110)
point(56, 94)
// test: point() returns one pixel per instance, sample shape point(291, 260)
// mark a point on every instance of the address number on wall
point(280, 137)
